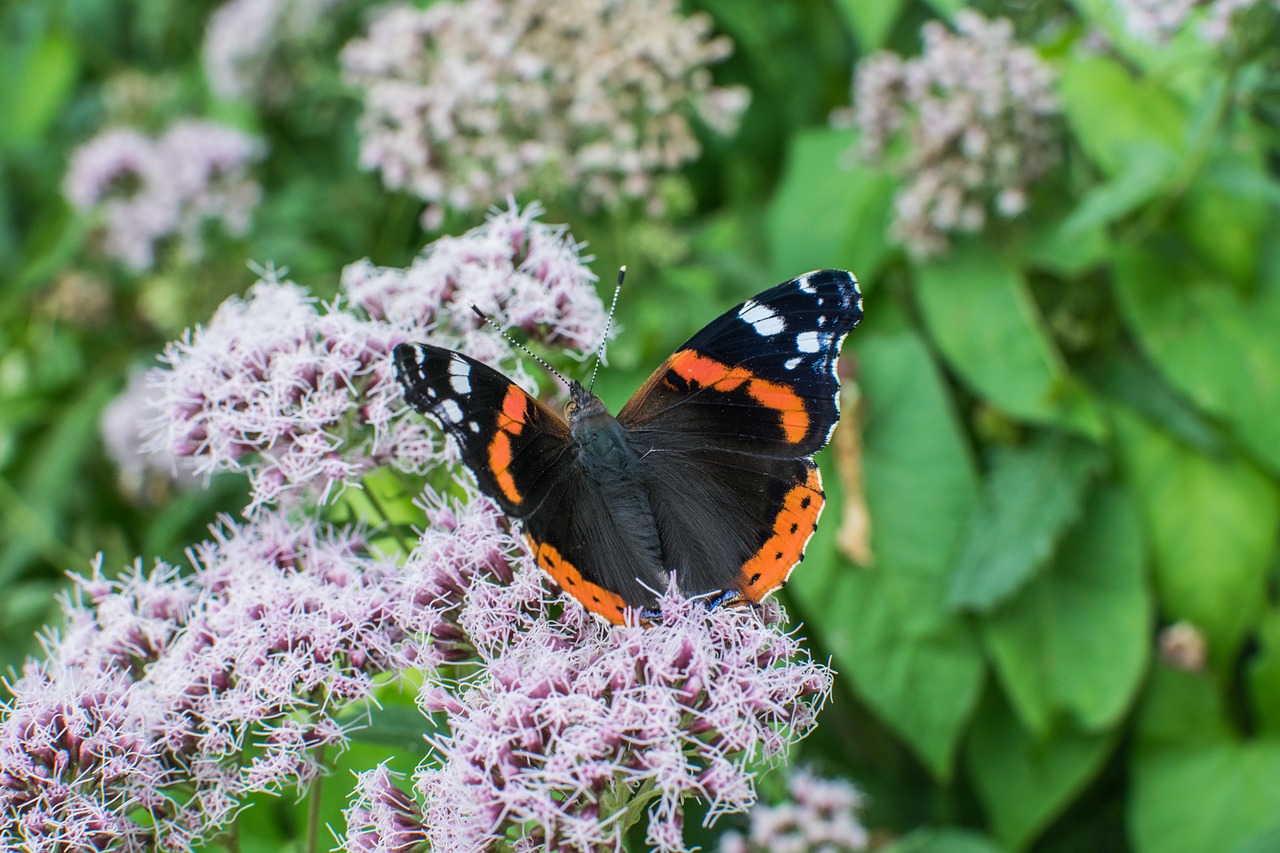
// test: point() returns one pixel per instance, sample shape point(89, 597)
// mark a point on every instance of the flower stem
point(313, 807)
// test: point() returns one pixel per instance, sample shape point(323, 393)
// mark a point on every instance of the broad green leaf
point(1108, 202)
point(870, 22)
point(1219, 348)
point(1074, 644)
point(1264, 674)
point(946, 8)
point(1024, 782)
point(1223, 222)
point(39, 81)
point(1200, 789)
point(1211, 524)
point(1266, 841)
point(917, 665)
point(1130, 380)
point(944, 840)
point(1120, 120)
point(828, 211)
point(1032, 494)
point(984, 321)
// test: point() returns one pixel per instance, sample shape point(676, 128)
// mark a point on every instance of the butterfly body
point(706, 472)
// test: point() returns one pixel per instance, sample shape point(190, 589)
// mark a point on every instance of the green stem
point(313, 807)
point(1197, 154)
point(392, 528)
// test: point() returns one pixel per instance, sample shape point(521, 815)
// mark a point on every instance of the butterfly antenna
point(524, 349)
point(622, 272)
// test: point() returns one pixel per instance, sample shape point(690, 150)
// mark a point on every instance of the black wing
point(727, 427)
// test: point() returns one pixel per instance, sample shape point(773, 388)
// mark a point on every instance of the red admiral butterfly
point(707, 471)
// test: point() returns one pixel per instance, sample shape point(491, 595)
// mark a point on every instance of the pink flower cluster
point(1160, 20)
point(304, 397)
point(974, 116)
point(245, 39)
point(468, 101)
point(569, 729)
point(169, 698)
point(822, 815)
point(145, 190)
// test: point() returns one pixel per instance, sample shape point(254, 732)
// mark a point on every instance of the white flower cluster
point(147, 190)
point(466, 103)
point(969, 125)
point(243, 38)
point(1158, 20)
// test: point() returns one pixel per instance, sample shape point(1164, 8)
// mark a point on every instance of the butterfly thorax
point(609, 459)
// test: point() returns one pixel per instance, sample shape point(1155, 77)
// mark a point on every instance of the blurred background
point(1047, 573)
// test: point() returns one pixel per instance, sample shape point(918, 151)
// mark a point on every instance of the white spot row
point(809, 341)
point(762, 318)
point(450, 411)
point(460, 376)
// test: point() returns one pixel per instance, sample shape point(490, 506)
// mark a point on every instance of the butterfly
point(706, 472)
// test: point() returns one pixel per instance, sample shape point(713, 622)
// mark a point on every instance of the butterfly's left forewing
point(726, 429)
point(513, 443)
point(523, 457)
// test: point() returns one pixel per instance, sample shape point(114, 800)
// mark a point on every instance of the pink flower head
point(136, 729)
point(304, 396)
point(822, 814)
point(975, 118)
point(468, 102)
point(566, 720)
point(147, 190)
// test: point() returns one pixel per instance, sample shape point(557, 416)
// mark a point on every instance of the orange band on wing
point(770, 567)
point(511, 420)
point(700, 370)
point(609, 606)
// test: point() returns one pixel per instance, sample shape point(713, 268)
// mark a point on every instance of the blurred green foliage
point(1069, 429)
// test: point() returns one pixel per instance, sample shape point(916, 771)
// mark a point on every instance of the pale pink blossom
point(303, 396)
point(144, 191)
point(820, 815)
point(969, 125)
point(469, 101)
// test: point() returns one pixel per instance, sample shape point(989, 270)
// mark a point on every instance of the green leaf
point(1118, 119)
point(917, 665)
point(1264, 674)
point(870, 22)
point(984, 321)
point(1222, 221)
point(1031, 496)
point(944, 840)
point(1212, 525)
point(1075, 642)
point(38, 85)
point(1201, 789)
point(1130, 380)
point(1025, 782)
point(828, 211)
point(1219, 348)
point(1147, 178)
point(946, 8)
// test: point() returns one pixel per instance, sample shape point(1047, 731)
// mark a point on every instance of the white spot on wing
point(793, 363)
point(803, 283)
point(761, 317)
point(451, 411)
point(460, 376)
point(807, 342)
